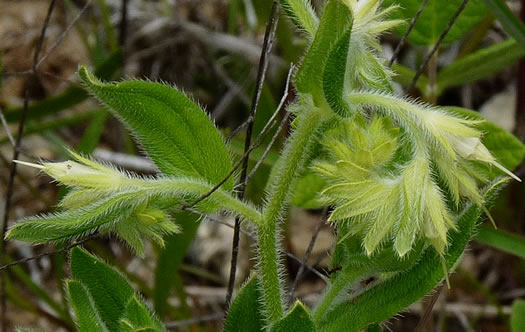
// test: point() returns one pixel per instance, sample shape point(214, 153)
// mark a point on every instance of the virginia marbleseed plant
point(407, 181)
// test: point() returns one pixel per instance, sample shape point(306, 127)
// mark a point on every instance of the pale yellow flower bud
point(472, 148)
point(75, 174)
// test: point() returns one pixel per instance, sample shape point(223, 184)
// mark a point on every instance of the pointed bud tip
point(25, 163)
point(506, 171)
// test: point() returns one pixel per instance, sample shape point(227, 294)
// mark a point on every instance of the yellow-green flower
point(82, 172)
point(385, 196)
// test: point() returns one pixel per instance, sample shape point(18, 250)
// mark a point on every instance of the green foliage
point(336, 20)
point(246, 313)
point(170, 259)
point(88, 318)
point(72, 224)
point(307, 192)
point(435, 18)
point(177, 134)
point(506, 242)
point(110, 291)
point(101, 296)
point(480, 64)
point(129, 206)
point(298, 319)
point(302, 14)
point(138, 317)
point(517, 320)
point(335, 74)
point(93, 133)
point(374, 328)
point(402, 178)
point(510, 22)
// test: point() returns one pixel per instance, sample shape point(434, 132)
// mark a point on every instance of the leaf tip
point(86, 76)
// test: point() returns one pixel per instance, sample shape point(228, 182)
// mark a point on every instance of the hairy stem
point(281, 184)
point(189, 186)
point(339, 286)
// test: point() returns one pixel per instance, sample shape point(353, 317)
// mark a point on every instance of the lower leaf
point(246, 312)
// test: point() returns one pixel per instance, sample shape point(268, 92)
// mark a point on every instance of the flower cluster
point(365, 69)
point(101, 192)
point(392, 183)
point(386, 191)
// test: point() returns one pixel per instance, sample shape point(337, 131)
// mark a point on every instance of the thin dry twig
point(12, 174)
point(272, 118)
point(236, 166)
point(284, 121)
point(253, 237)
point(123, 25)
point(47, 253)
point(239, 128)
point(234, 90)
point(269, 37)
point(6, 128)
point(307, 254)
point(428, 310)
point(405, 36)
point(63, 34)
point(436, 46)
point(15, 73)
point(233, 44)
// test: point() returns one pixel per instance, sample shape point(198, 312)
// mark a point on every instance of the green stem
point(185, 186)
point(281, 184)
point(342, 283)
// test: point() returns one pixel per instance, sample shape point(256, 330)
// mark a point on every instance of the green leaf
point(307, 189)
point(93, 133)
point(177, 134)
point(517, 319)
point(398, 292)
point(506, 242)
point(117, 211)
point(71, 224)
point(302, 14)
point(374, 328)
point(298, 319)
point(109, 29)
point(110, 291)
point(505, 147)
point(246, 312)
point(335, 74)
point(435, 18)
point(171, 258)
point(138, 317)
point(88, 318)
point(481, 64)
point(511, 23)
point(336, 20)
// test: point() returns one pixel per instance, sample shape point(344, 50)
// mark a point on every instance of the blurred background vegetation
point(211, 49)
